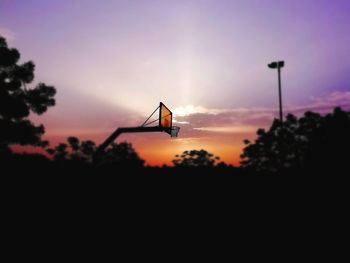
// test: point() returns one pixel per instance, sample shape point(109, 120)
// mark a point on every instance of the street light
point(278, 65)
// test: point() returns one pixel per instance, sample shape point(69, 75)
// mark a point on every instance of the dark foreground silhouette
point(18, 100)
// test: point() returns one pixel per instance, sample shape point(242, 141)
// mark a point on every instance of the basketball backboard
point(165, 117)
point(165, 121)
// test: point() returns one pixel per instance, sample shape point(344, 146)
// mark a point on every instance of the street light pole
point(278, 65)
point(280, 93)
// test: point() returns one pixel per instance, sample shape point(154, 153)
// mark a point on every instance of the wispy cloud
point(336, 98)
point(229, 129)
point(7, 33)
point(199, 119)
point(323, 104)
point(180, 122)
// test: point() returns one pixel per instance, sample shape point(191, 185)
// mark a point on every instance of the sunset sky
point(112, 62)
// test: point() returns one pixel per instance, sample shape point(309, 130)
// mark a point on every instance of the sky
point(112, 62)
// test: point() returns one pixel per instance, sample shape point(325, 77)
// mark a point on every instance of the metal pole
point(280, 92)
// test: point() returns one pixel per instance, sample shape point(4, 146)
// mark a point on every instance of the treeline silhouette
point(312, 145)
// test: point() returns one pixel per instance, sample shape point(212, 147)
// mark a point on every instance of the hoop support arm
point(119, 131)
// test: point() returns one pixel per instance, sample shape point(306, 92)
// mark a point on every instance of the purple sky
point(113, 61)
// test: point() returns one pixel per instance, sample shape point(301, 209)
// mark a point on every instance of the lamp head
point(279, 64)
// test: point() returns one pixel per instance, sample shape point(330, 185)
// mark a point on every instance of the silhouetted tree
point(119, 154)
point(17, 100)
point(195, 158)
point(122, 154)
point(313, 141)
point(73, 150)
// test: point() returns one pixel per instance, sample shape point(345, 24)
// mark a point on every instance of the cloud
point(323, 104)
point(199, 120)
point(180, 122)
point(190, 109)
point(229, 129)
point(7, 33)
point(227, 117)
point(336, 98)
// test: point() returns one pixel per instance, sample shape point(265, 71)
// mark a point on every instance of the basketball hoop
point(165, 124)
point(174, 131)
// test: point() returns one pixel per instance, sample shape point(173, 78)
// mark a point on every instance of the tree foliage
point(196, 158)
point(308, 142)
point(18, 101)
point(73, 150)
point(120, 154)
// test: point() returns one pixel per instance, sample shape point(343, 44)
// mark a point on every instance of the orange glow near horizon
point(158, 149)
point(228, 154)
